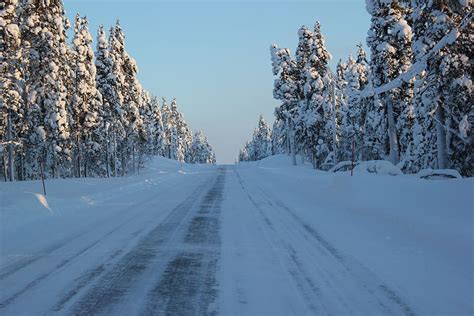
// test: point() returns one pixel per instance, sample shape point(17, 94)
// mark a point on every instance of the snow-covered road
point(232, 240)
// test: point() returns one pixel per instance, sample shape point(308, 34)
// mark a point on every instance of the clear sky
point(213, 56)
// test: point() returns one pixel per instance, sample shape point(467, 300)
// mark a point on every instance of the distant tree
point(202, 152)
point(262, 140)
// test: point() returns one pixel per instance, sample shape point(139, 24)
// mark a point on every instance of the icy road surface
point(244, 240)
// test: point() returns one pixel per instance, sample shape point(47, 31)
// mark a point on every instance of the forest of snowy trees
point(74, 112)
point(411, 103)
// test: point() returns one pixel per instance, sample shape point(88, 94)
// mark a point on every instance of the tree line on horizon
point(76, 112)
point(411, 103)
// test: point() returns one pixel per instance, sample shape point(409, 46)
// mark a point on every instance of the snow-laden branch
point(419, 66)
point(10, 143)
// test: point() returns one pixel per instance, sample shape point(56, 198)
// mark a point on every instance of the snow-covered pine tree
point(444, 112)
point(168, 123)
point(285, 89)
point(342, 110)
point(175, 152)
point(303, 117)
point(11, 110)
point(85, 103)
point(261, 144)
point(180, 150)
point(146, 130)
point(457, 74)
point(390, 118)
point(319, 113)
point(44, 39)
point(132, 105)
point(107, 86)
point(354, 113)
point(154, 126)
point(279, 145)
point(201, 151)
point(262, 140)
point(118, 129)
point(243, 154)
point(248, 152)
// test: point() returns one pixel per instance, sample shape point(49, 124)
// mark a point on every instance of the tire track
point(114, 283)
point(49, 251)
point(12, 298)
point(350, 266)
point(188, 284)
point(381, 292)
point(298, 277)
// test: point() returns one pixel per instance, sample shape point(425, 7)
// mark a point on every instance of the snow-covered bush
point(382, 167)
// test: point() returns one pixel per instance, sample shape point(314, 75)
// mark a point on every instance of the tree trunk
point(313, 156)
point(133, 159)
point(106, 150)
point(392, 131)
point(292, 142)
point(11, 172)
point(21, 172)
point(5, 171)
point(334, 119)
point(441, 138)
point(115, 154)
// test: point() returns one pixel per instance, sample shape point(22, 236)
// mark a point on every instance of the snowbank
point(416, 234)
point(71, 205)
point(431, 174)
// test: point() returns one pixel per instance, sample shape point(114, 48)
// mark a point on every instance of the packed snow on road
point(258, 238)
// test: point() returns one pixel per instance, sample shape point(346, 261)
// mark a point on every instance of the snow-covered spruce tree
point(457, 72)
point(390, 119)
point(146, 130)
point(261, 144)
point(133, 123)
point(262, 140)
point(44, 40)
point(11, 110)
point(180, 150)
point(168, 123)
point(279, 133)
point(443, 92)
point(107, 85)
point(154, 126)
point(286, 91)
point(303, 118)
point(118, 129)
point(341, 110)
point(354, 112)
point(85, 103)
point(319, 113)
point(247, 153)
point(201, 151)
point(175, 152)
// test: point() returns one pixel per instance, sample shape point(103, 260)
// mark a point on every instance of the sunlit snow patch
point(42, 199)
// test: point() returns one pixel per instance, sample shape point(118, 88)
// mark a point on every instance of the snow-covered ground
point(260, 238)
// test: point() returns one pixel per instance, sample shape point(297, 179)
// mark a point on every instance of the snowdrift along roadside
point(29, 220)
point(417, 234)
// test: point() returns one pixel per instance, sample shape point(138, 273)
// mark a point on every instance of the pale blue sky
point(213, 56)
